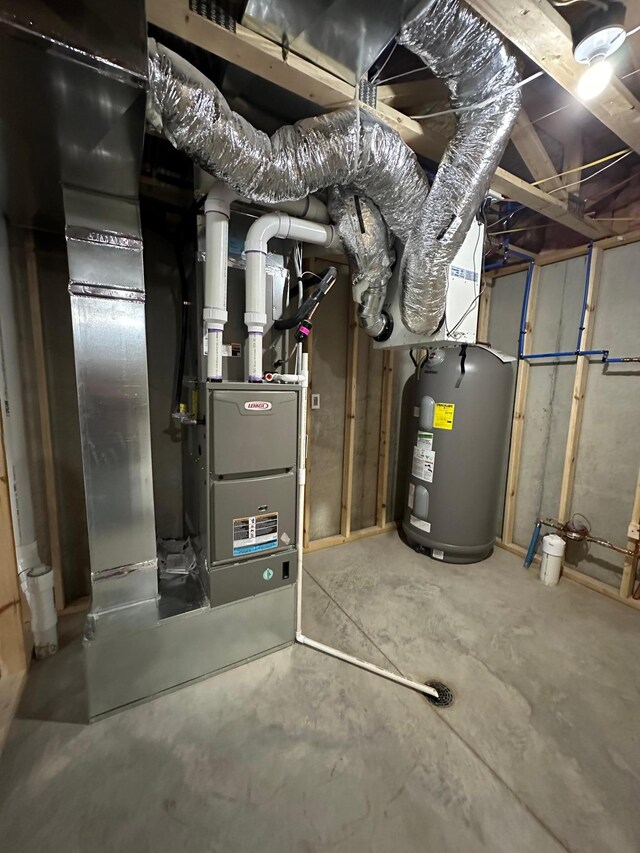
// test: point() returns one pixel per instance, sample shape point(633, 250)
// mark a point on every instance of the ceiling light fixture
point(600, 35)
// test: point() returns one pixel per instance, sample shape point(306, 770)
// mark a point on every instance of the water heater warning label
point(423, 463)
point(443, 417)
point(255, 533)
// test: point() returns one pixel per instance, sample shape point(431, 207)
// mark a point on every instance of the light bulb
point(595, 79)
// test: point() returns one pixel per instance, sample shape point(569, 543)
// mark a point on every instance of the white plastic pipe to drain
point(266, 228)
point(553, 547)
point(300, 636)
point(36, 580)
point(217, 210)
point(44, 619)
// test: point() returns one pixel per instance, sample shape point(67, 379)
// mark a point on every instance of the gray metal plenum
point(104, 248)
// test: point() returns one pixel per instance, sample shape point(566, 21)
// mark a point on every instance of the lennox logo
point(257, 406)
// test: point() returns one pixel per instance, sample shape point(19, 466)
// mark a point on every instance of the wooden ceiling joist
point(540, 32)
point(264, 58)
point(403, 95)
point(535, 156)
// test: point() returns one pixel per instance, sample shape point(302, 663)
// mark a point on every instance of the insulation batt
point(353, 154)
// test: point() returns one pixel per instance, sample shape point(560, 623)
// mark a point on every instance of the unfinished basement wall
point(328, 363)
point(609, 446)
point(549, 394)
point(505, 307)
point(607, 449)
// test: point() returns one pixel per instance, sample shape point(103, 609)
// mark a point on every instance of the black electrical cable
point(413, 358)
point(310, 303)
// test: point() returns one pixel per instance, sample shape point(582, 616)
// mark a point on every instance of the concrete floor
point(300, 753)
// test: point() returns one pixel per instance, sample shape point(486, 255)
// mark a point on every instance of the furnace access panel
point(252, 463)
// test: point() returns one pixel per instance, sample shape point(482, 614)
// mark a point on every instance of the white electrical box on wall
point(463, 299)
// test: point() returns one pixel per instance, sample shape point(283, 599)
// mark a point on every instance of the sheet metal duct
point(72, 100)
point(344, 38)
point(351, 150)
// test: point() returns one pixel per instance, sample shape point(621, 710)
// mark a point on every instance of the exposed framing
point(382, 525)
point(628, 579)
point(386, 399)
point(349, 423)
point(295, 74)
point(13, 652)
point(519, 414)
point(579, 388)
point(630, 568)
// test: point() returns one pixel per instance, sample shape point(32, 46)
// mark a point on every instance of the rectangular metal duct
point(343, 36)
point(72, 102)
point(72, 94)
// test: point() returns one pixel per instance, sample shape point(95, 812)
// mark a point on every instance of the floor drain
point(445, 694)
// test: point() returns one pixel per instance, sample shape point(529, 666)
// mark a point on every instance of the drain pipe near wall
point(36, 579)
point(300, 636)
point(268, 227)
point(217, 211)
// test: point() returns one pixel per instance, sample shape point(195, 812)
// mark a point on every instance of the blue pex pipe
point(525, 306)
point(585, 297)
point(533, 544)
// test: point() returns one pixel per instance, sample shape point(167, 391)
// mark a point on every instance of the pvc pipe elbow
point(264, 229)
point(220, 198)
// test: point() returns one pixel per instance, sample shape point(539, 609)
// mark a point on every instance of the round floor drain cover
point(445, 694)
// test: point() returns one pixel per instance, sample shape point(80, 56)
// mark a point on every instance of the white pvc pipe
point(307, 208)
point(370, 667)
point(14, 419)
point(265, 228)
point(44, 618)
point(300, 637)
point(36, 579)
point(217, 210)
point(302, 479)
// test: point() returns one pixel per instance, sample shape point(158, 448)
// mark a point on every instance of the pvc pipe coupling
point(44, 619)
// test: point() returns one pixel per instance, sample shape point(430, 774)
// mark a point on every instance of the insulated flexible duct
point(373, 173)
point(469, 55)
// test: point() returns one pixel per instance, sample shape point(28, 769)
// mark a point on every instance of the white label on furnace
point(425, 440)
point(255, 533)
point(422, 525)
point(423, 464)
point(437, 554)
point(412, 495)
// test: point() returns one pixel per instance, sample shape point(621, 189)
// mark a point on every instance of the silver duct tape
point(122, 571)
point(470, 56)
point(78, 288)
point(105, 238)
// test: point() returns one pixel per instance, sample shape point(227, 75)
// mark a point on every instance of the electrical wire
point(583, 167)
point(384, 64)
point(559, 4)
point(516, 230)
point(404, 74)
point(589, 177)
point(485, 103)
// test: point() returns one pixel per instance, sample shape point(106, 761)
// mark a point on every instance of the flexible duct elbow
point(377, 189)
point(470, 56)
